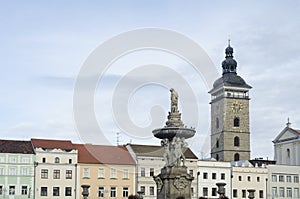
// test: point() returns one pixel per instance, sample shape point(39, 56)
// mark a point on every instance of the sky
point(45, 45)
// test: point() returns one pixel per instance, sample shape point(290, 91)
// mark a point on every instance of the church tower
point(230, 133)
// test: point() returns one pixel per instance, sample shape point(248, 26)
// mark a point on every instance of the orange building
point(108, 170)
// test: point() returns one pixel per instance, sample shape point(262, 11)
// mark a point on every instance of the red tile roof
point(102, 154)
point(16, 146)
point(52, 144)
point(296, 131)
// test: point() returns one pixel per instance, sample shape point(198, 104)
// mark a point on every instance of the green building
point(16, 169)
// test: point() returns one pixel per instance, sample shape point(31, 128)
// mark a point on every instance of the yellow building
point(108, 170)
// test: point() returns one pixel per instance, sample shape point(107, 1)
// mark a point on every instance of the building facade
point(245, 177)
point(108, 170)
point(283, 181)
point(149, 161)
point(287, 146)
point(55, 169)
point(16, 169)
point(212, 172)
point(230, 132)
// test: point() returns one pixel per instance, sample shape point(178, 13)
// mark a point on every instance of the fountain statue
point(174, 181)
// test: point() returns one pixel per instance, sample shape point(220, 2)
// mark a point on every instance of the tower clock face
point(236, 106)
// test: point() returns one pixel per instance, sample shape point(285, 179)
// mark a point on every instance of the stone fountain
point(174, 181)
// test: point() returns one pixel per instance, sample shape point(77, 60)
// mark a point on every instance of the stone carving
point(180, 183)
point(174, 100)
point(167, 152)
point(158, 182)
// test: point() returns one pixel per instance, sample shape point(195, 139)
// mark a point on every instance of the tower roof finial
point(228, 40)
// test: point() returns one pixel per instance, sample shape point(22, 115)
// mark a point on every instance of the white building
point(287, 146)
point(212, 172)
point(283, 181)
point(149, 161)
point(245, 177)
point(56, 169)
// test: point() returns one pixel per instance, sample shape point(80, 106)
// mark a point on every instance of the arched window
point(288, 153)
point(217, 157)
point(217, 123)
point(236, 157)
point(236, 122)
point(56, 160)
point(236, 141)
point(217, 143)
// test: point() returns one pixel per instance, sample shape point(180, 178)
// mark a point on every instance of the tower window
point(288, 153)
point(217, 123)
point(217, 157)
point(236, 157)
point(217, 143)
point(236, 141)
point(236, 122)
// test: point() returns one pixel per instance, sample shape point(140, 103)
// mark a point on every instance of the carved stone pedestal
point(173, 182)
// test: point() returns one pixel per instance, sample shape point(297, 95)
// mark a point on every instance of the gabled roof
point(156, 151)
point(52, 144)
point(16, 146)
point(287, 134)
point(102, 154)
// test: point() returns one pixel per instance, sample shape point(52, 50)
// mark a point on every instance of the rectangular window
point(244, 193)
point(296, 179)
point(205, 175)
point(143, 190)
point(12, 171)
point(12, 160)
point(151, 191)
point(43, 160)
point(281, 178)
point(289, 192)
point(24, 171)
point(143, 172)
point(214, 191)
point(25, 160)
point(274, 178)
point(68, 174)
point(125, 174)
point(214, 176)
point(274, 192)
point(86, 172)
point(125, 192)
point(234, 193)
point(281, 192)
point(113, 192)
point(101, 192)
point(222, 176)
point(205, 191)
point(68, 191)
point(44, 191)
point(261, 194)
point(151, 171)
point(113, 173)
point(44, 173)
point(296, 192)
point(101, 173)
point(1, 171)
point(55, 191)
point(240, 178)
point(24, 190)
point(258, 179)
point(1, 159)
point(12, 190)
point(1, 190)
point(288, 178)
point(56, 174)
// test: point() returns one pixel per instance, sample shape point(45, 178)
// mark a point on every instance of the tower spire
point(229, 64)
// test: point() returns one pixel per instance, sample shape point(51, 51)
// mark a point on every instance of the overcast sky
point(44, 46)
